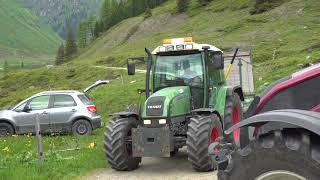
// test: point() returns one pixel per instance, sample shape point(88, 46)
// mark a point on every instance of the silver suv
point(58, 111)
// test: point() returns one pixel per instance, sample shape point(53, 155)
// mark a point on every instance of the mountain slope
point(22, 34)
point(280, 38)
point(63, 13)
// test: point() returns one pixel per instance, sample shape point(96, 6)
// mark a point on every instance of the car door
point(39, 106)
point(63, 108)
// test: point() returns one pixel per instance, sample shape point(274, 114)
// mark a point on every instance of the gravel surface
point(177, 168)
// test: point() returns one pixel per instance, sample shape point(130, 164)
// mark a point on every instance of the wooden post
point(38, 138)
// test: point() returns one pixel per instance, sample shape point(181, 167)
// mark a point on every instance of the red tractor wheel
point(232, 116)
point(288, 154)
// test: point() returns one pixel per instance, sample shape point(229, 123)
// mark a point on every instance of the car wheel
point(6, 130)
point(81, 128)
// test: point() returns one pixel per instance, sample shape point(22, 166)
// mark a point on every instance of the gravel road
point(176, 168)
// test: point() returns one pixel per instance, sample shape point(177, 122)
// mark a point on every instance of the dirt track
point(177, 168)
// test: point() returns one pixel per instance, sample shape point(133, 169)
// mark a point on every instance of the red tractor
point(286, 142)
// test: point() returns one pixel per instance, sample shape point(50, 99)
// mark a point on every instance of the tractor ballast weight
point(188, 103)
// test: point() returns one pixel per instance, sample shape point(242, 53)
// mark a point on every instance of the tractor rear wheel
point(233, 115)
point(202, 131)
point(283, 155)
point(118, 145)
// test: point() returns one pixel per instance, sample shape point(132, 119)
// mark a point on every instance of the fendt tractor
point(188, 103)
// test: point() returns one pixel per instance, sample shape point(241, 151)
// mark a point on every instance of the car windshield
point(179, 70)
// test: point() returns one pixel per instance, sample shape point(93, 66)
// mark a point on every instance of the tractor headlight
point(147, 122)
point(162, 121)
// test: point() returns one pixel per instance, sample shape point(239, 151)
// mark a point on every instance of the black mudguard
point(286, 118)
point(238, 90)
point(126, 114)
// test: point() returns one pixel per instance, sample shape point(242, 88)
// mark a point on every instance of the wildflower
point(92, 145)
point(6, 149)
point(15, 135)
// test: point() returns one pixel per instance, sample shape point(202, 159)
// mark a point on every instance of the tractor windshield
point(181, 70)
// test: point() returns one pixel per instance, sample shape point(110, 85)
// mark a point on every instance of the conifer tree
point(71, 45)
point(148, 13)
point(5, 66)
point(21, 64)
point(96, 30)
point(182, 5)
point(83, 28)
point(60, 55)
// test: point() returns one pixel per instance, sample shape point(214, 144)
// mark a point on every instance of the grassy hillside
point(290, 31)
point(23, 35)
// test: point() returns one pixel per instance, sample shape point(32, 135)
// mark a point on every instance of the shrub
point(261, 6)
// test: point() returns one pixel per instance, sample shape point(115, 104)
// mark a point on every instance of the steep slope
point(22, 34)
point(280, 38)
point(63, 13)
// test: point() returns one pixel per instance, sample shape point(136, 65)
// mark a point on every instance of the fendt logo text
point(155, 107)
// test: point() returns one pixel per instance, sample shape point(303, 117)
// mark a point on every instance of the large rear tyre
point(118, 145)
point(281, 155)
point(202, 131)
point(233, 115)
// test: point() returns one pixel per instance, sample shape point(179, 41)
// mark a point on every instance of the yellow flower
point(14, 135)
point(92, 145)
point(6, 149)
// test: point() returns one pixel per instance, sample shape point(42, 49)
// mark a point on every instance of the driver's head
point(186, 64)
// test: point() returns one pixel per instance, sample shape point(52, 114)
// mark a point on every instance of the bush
point(266, 5)
point(182, 5)
point(204, 2)
point(148, 13)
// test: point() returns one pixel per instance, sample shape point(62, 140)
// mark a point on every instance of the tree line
point(112, 12)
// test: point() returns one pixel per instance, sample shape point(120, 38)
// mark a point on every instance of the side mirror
point(131, 68)
point(27, 108)
point(218, 61)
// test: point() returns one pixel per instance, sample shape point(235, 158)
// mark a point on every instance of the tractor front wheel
point(233, 115)
point(202, 131)
point(118, 145)
point(288, 154)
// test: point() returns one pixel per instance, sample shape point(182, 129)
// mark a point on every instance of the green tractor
point(188, 103)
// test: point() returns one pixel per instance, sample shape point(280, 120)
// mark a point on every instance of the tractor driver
point(190, 77)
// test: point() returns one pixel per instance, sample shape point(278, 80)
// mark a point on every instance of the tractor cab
point(181, 62)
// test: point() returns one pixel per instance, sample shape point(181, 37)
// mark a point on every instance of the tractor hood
point(176, 98)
